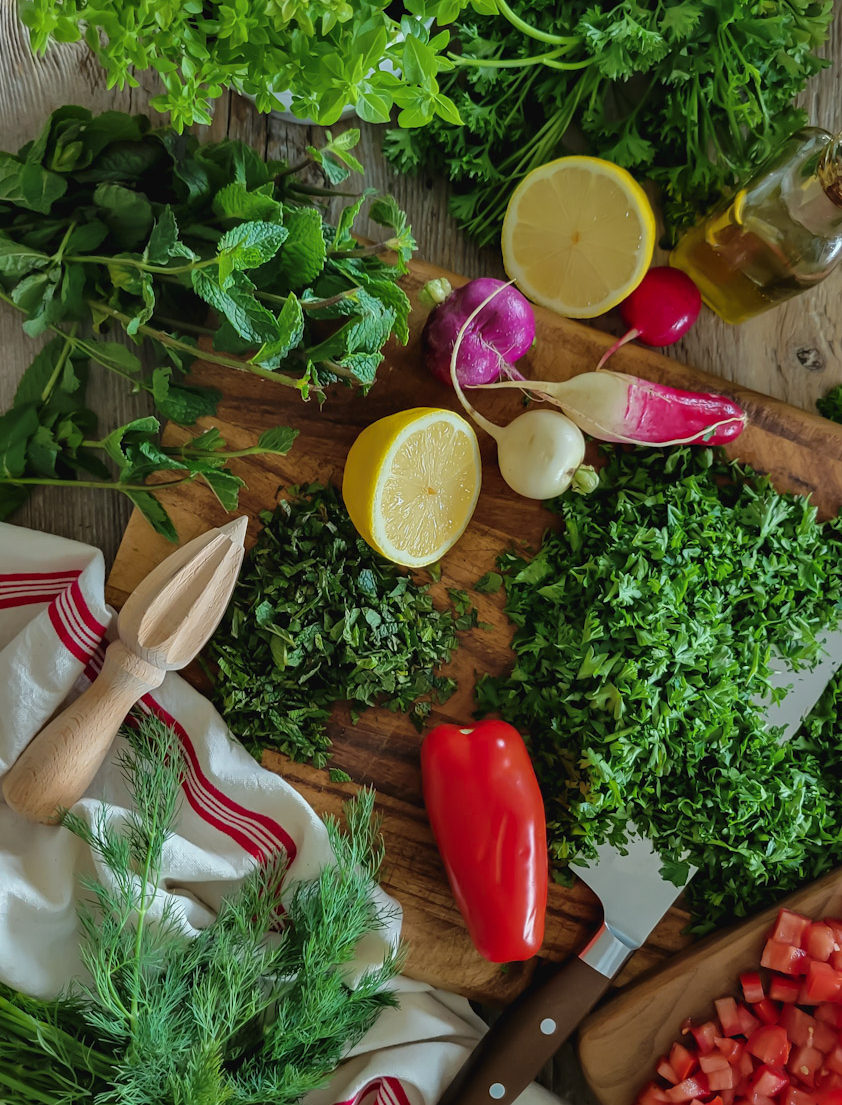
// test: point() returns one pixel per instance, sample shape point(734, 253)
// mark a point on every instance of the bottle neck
point(830, 170)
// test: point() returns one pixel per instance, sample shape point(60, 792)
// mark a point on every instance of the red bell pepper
point(487, 815)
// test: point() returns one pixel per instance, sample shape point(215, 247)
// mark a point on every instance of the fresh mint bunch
point(108, 227)
point(326, 53)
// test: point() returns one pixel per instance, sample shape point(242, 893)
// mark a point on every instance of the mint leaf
point(277, 440)
point(302, 256)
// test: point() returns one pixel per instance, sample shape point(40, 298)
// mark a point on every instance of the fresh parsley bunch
point(691, 94)
point(108, 225)
point(372, 54)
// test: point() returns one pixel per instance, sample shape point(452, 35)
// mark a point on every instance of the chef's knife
point(634, 897)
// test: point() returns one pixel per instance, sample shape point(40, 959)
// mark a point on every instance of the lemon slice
point(411, 483)
point(578, 235)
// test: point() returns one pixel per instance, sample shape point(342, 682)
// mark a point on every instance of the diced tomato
point(804, 1064)
point(835, 924)
point(752, 987)
point(833, 1060)
point(823, 983)
point(799, 1026)
point(704, 1035)
point(819, 941)
point(726, 1097)
point(759, 1099)
point(718, 1099)
point(769, 1081)
point(795, 1096)
point(682, 1061)
point(748, 1022)
point(731, 1049)
point(836, 960)
point(688, 1089)
point(729, 1017)
point(744, 1065)
point(829, 1097)
point(770, 1044)
point(789, 927)
point(723, 1079)
point(825, 1037)
point(715, 1061)
point(829, 1013)
point(652, 1094)
point(766, 1011)
point(786, 958)
point(782, 988)
point(665, 1071)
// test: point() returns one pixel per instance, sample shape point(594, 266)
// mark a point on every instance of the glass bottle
point(779, 235)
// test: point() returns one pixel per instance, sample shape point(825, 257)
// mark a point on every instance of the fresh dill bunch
point(44, 1057)
point(257, 1007)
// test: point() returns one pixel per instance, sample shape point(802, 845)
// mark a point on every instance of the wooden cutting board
point(619, 1044)
point(801, 451)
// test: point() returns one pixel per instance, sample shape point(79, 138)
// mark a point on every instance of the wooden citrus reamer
point(164, 623)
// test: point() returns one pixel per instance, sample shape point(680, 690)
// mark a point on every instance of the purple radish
point(660, 310)
point(493, 340)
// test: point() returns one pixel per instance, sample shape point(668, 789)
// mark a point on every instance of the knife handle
point(57, 766)
point(526, 1036)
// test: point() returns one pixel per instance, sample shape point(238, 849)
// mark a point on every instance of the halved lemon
point(411, 483)
point(578, 235)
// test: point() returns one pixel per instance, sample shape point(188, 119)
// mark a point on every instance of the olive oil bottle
point(779, 235)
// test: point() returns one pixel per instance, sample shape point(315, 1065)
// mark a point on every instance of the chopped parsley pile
point(645, 625)
point(317, 618)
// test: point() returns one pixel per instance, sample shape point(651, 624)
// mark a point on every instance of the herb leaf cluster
point(325, 53)
point(645, 626)
point(254, 1008)
point(317, 617)
point(109, 228)
point(830, 404)
point(692, 94)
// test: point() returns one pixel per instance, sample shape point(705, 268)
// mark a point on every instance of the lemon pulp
point(578, 235)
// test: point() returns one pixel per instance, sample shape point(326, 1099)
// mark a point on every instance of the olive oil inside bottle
point(779, 235)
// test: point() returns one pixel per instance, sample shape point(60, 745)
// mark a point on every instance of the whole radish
point(540, 451)
point(493, 338)
point(660, 310)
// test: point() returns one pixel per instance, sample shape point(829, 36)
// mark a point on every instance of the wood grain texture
point(619, 1044)
point(802, 452)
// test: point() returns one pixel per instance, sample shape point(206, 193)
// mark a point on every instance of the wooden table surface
point(793, 352)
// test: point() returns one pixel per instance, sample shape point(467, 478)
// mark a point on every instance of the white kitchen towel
point(53, 626)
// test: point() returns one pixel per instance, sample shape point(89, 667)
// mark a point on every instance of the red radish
point(612, 406)
point(660, 310)
point(492, 339)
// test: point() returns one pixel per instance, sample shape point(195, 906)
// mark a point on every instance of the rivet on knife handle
point(165, 621)
point(526, 1036)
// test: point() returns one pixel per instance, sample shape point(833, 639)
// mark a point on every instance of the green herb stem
point(521, 63)
point(142, 266)
point(200, 354)
point(115, 485)
point(60, 362)
point(535, 32)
